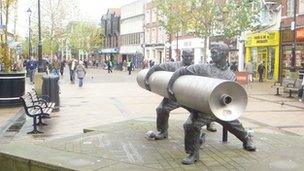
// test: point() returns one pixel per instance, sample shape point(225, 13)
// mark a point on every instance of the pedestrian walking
point(62, 66)
point(32, 66)
point(250, 70)
point(81, 72)
point(125, 63)
point(129, 66)
point(261, 69)
point(72, 67)
point(55, 66)
point(109, 66)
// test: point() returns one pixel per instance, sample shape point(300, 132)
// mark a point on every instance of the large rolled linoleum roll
point(225, 100)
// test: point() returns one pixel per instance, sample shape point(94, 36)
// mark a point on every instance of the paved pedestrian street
point(102, 126)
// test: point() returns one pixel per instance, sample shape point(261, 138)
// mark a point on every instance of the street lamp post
point(40, 64)
point(29, 11)
point(294, 43)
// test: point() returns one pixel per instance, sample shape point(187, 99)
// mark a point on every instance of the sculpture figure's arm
point(190, 70)
point(150, 72)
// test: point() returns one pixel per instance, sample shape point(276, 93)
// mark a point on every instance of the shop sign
point(111, 50)
point(262, 39)
point(300, 34)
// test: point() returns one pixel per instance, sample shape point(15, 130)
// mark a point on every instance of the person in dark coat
point(261, 69)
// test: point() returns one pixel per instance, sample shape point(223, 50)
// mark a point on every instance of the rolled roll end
point(226, 99)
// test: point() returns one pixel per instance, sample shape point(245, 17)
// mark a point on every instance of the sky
point(91, 10)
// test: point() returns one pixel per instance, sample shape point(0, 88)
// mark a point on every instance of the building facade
point(110, 23)
point(184, 41)
point(155, 36)
point(132, 32)
point(288, 38)
point(263, 44)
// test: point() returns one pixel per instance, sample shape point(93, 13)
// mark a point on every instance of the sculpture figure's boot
point(211, 127)
point(248, 145)
point(191, 159)
point(161, 135)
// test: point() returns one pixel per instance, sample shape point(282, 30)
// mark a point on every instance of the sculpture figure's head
point(219, 53)
point(188, 57)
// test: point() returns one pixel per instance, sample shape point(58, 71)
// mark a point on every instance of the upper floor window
point(148, 16)
point(290, 7)
point(154, 15)
point(301, 7)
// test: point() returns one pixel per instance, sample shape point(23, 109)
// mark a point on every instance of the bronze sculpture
point(218, 69)
point(167, 105)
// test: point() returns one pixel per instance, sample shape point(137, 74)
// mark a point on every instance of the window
point(154, 15)
point(153, 36)
point(160, 38)
point(148, 16)
point(147, 36)
point(290, 7)
point(301, 7)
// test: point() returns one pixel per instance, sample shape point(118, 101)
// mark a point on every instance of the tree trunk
point(170, 47)
point(205, 49)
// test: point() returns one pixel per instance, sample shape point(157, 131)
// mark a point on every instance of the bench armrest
point(35, 107)
point(277, 84)
point(290, 85)
point(43, 101)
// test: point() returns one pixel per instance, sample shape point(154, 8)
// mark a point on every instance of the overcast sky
point(91, 10)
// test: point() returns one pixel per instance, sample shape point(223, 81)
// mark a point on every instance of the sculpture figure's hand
point(147, 85)
point(171, 95)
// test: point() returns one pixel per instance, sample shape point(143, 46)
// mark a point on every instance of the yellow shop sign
point(262, 39)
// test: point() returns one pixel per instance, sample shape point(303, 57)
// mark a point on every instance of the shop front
point(155, 52)
point(287, 42)
point(264, 48)
point(134, 53)
point(110, 53)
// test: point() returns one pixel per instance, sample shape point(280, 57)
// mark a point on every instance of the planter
point(12, 86)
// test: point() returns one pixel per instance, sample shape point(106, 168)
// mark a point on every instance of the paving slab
point(123, 146)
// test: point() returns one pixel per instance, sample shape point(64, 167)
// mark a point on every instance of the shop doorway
point(267, 56)
point(262, 58)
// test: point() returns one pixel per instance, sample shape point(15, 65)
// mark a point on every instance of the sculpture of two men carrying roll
point(192, 127)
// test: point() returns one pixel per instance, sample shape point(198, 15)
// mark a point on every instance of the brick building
point(287, 36)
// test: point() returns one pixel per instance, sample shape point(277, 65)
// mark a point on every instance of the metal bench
point(43, 101)
point(290, 86)
point(34, 111)
point(293, 88)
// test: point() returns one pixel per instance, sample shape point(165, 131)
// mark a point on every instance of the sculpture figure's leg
point(236, 128)
point(192, 128)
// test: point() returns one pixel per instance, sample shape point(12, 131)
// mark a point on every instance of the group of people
point(77, 67)
point(126, 65)
point(192, 127)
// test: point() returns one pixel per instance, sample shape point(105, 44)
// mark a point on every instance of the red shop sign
point(300, 34)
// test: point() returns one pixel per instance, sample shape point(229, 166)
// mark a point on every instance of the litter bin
point(50, 88)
